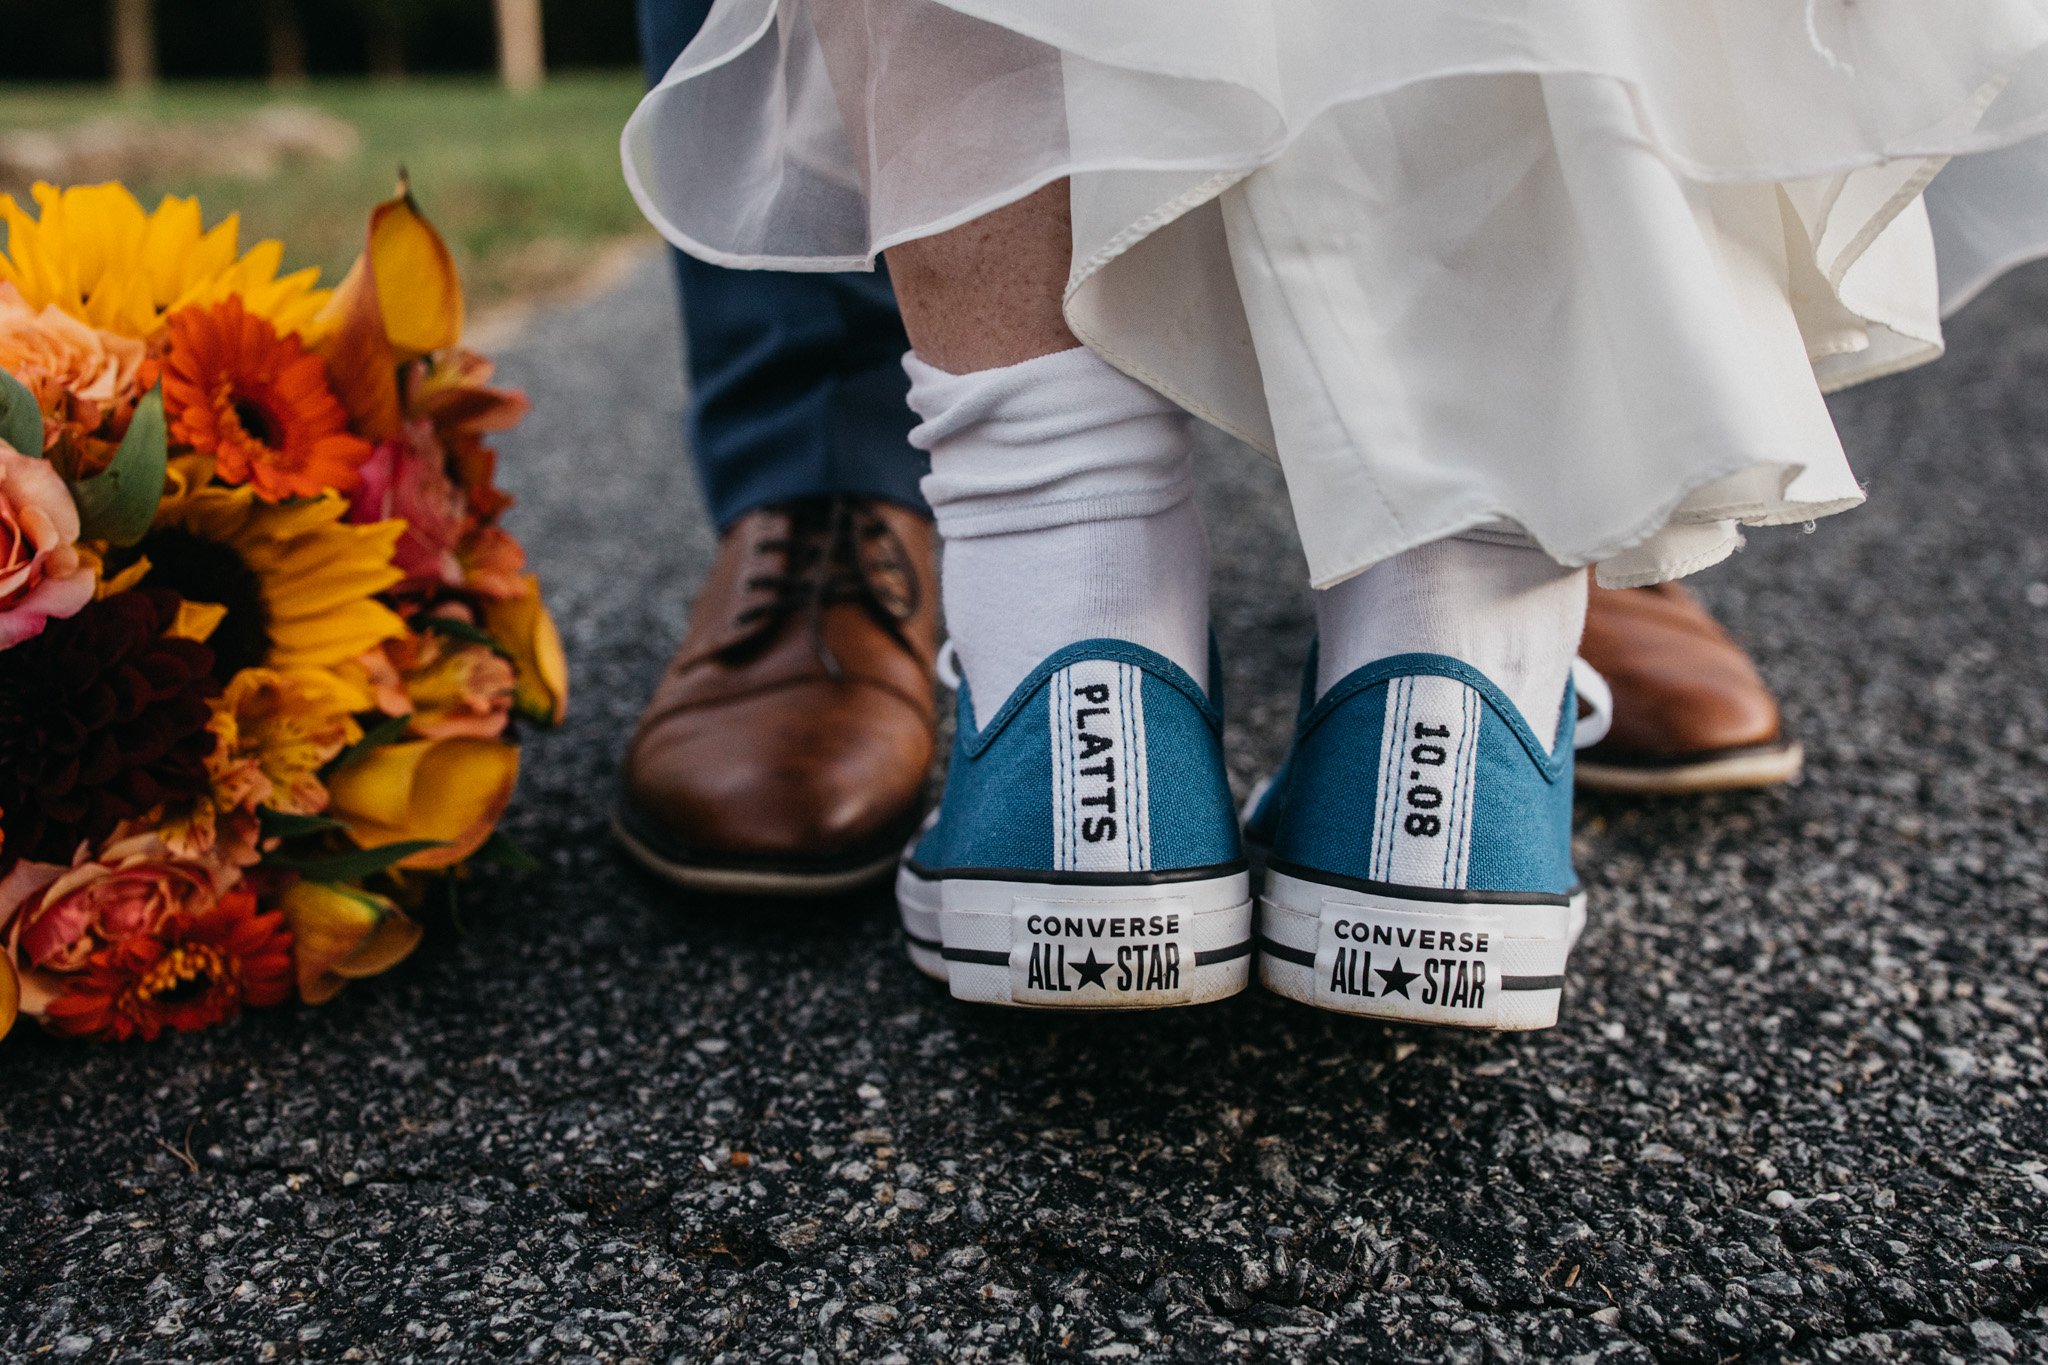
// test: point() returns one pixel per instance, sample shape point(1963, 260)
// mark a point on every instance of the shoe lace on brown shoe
point(835, 551)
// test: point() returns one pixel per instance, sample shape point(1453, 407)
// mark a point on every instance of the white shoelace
point(1598, 699)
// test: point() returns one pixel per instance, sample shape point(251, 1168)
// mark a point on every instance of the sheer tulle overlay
point(1565, 269)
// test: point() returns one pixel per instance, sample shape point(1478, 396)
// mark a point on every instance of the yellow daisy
point(298, 581)
point(95, 254)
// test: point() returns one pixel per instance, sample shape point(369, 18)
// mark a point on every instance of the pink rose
point(41, 572)
point(408, 477)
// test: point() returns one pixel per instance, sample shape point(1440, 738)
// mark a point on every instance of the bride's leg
point(1062, 487)
point(987, 293)
point(1085, 854)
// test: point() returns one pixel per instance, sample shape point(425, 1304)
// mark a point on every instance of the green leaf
point(502, 850)
point(279, 824)
point(460, 630)
point(118, 505)
point(386, 731)
point(352, 867)
point(21, 421)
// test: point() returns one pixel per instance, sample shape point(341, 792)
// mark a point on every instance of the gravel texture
point(1798, 1107)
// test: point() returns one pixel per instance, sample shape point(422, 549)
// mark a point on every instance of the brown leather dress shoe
point(786, 748)
point(1691, 714)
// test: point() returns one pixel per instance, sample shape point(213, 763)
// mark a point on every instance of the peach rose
point(85, 380)
point(62, 916)
point(42, 574)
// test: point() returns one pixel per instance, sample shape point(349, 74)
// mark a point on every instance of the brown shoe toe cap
point(774, 775)
point(1681, 686)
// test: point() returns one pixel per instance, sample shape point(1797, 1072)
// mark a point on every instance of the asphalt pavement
point(1797, 1107)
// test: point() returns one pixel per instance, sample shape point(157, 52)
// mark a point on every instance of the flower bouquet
point(264, 646)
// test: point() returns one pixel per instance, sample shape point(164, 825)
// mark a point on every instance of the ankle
point(1065, 493)
point(1509, 611)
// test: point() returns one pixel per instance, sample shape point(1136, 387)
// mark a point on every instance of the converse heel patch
point(1078, 954)
point(1436, 969)
point(1429, 751)
point(1101, 816)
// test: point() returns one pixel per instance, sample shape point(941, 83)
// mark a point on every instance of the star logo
point(1092, 972)
point(1394, 981)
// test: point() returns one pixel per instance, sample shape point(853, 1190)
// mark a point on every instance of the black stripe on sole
point(930, 945)
point(1303, 957)
point(986, 957)
point(1285, 953)
point(1532, 983)
point(991, 958)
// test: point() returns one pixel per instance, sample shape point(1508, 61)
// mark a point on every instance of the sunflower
point(299, 583)
point(97, 255)
point(258, 403)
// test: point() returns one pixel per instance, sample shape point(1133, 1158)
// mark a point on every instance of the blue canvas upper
point(1322, 809)
point(998, 811)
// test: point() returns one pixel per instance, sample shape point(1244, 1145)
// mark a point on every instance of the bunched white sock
point(1064, 492)
point(1510, 611)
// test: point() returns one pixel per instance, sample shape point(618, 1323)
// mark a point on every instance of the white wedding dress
point(1575, 270)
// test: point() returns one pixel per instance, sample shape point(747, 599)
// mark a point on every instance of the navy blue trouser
point(797, 380)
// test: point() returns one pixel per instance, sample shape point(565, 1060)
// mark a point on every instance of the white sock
point(1510, 611)
point(1064, 491)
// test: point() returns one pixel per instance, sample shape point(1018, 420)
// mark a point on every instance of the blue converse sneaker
point(1085, 854)
point(1416, 850)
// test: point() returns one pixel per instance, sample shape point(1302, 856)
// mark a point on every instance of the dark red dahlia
point(101, 719)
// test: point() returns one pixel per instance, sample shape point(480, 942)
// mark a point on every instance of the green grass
point(522, 186)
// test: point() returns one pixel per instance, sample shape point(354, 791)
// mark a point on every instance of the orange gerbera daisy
point(193, 972)
point(259, 403)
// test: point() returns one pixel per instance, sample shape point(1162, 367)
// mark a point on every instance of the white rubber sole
point(1493, 966)
point(1037, 945)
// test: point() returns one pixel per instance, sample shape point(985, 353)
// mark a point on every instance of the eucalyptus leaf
point(504, 851)
point(386, 731)
point(460, 630)
point(119, 504)
point(21, 421)
point(352, 867)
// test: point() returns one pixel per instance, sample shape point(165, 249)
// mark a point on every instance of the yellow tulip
point(526, 631)
point(418, 290)
point(401, 300)
point(342, 934)
point(449, 790)
point(10, 992)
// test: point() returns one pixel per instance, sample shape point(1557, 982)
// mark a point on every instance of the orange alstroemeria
point(342, 934)
point(451, 390)
point(451, 791)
